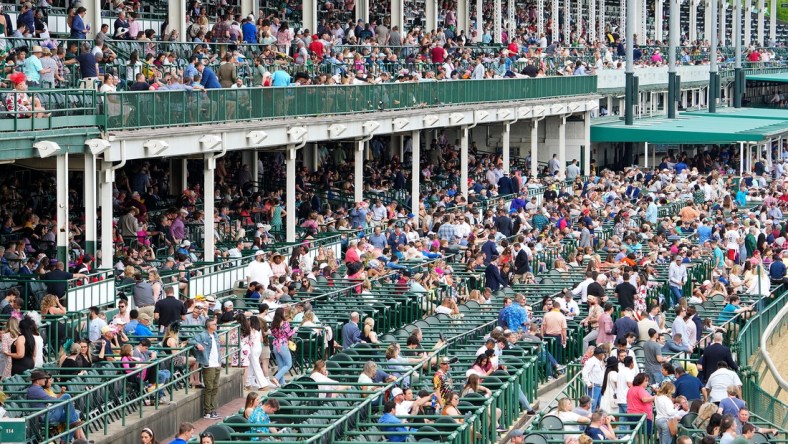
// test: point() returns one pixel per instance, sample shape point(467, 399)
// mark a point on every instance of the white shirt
point(569, 417)
point(582, 289)
point(732, 240)
point(94, 331)
point(718, 383)
point(260, 272)
point(625, 375)
point(665, 408)
point(320, 379)
point(213, 355)
point(593, 372)
point(403, 408)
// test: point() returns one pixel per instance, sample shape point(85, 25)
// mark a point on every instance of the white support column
point(505, 147)
point(93, 17)
point(622, 20)
point(290, 191)
point(562, 145)
point(707, 19)
point(398, 14)
point(209, 188)
point(693, 20)
point(579, 17)
point(362, 10)
point(511, 21)
point(315, 157)
point(587, 143)
point(773, 23)
point(747, 11)
point(358, 170)
point(105, 191)
point(600, 21)
point(761, 20)
point(402, 148)
point(61, 212)
point(415, 175)
point(430, 14)
point(309, 11)
point(567, 21)
point(540, 17)
point(659, 8)
point(91, 218)
point(463, 20)
point(497, 26)
point(464, 161)
point(176, 16)
point(742, 154)
point(643, 37)
point(554, 21)
point(184, 176)
point(248, 7)
point(645, 155)
point(480, 20)
point(534, 146)
point(721, 23)
point(255, 170)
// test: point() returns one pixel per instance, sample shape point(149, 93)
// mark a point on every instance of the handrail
point(765, 353)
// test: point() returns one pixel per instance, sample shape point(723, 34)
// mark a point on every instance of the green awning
point(781, 77)
point(741, 125)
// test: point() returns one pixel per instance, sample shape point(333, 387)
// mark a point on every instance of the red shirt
point(438, 54)
point(635, 404)
point(754, 57)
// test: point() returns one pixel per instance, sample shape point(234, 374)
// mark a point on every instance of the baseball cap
point(228, 304)
point(516, 433)
point(396, 391)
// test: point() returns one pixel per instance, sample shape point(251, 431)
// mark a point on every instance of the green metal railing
point(182, 108)
point(767, 405)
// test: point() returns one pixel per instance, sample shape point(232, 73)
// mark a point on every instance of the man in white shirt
point(716, 388)
point(582, 288)
point(207, 345)
point(259, 270)
point(593, 374)
point(626, 374)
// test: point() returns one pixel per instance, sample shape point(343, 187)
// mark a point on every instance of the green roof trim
point(777, 77)
point(726, 126)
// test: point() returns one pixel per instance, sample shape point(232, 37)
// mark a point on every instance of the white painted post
point(464, 161)
point(209, 182)
point(505, 145)
point(415, 172)
point(176, 16)
point(534, 147)
point(90, 203)
point(290, 191)
point(587, 142)
point(358, 171)
point(62, 208)
point(105, 191)
point(562, 145)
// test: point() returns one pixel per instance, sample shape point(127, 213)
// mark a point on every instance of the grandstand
point(406, 221)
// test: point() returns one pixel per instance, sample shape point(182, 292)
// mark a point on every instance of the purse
point(291, 345)
point(673, 426)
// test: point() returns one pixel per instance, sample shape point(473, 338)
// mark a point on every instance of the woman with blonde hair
point(571, 419)
point(10, 333)
point(51, 306)
point(367, 332)
point(665, 411)
point(158, 286)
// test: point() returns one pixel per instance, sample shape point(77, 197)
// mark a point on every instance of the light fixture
point(97, 146)
point(46, 148)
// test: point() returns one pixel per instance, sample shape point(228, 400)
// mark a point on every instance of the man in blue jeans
point(63, 413)
point(677, 277)
point(152, 376)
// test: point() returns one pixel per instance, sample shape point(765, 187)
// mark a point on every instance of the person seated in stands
point(261, 418)
point(143, 327)
point(40, 390)
point(394, 427)
point(105, 343)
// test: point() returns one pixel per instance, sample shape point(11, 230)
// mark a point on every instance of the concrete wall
point(165, 421)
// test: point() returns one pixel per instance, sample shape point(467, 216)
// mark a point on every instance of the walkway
point(777, 347)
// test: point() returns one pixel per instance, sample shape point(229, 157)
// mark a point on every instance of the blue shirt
point(142, 330)
point(280, 78)
point(777, 270)
point(688, 386)
point(741, 198)
point(178, 441)
point(727, 313)
point(261, 418)
point(250, 32)
point(209, 80)
point(704, 233)
point(388, 418)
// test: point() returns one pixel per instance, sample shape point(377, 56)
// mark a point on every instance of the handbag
point(291, 345)
point(673, 426)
